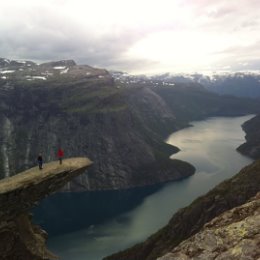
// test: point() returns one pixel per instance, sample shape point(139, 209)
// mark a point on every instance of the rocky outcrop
point(189, 221)
point(20, 239)
point(233, 235)
point(251, 147)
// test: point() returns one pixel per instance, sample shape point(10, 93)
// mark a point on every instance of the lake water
point(209, 145)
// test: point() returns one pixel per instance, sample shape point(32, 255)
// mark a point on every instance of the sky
point(136, 36)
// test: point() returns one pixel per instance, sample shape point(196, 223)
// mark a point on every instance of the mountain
point(237, 84)
point(88, 112)
point(240, 84)
point(121, 126)
point(190, 220)
point(80, 108)
point(252, 145)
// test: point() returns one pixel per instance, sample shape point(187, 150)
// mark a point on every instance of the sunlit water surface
point(209, 145)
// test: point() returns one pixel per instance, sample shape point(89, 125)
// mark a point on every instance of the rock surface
point(20, 239)
point(233, 235)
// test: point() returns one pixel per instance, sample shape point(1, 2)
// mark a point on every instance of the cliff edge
point(232, 235)
point(20, 239)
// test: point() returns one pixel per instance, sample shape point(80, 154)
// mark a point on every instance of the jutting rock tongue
point(20, 239)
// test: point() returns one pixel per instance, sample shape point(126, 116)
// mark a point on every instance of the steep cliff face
point(88, 116)
point(233, 235)
point(80, 108)
point(188, 221)
point(83, 110)
point(20, 239)
point(252, 145)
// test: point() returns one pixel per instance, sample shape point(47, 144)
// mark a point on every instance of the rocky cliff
point(80, 108)
point(20, 239)
point(85, 111)
point(252, 145)
point(233, 235)
point(190, 220)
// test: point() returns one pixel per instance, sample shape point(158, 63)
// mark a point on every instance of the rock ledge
point(18, 194)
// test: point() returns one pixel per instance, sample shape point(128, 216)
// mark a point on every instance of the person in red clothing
point(60, 155)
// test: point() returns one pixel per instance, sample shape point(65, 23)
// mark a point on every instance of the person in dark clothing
point(60, 155)
point(40, 161)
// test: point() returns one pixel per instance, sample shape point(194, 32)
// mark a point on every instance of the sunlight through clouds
point(136, 36)
point(185, 51)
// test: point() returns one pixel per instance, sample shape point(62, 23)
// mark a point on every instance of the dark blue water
point(209, 145)
point(66, 212)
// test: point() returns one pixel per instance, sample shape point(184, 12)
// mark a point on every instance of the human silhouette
point(40, 161)
point(60, 155)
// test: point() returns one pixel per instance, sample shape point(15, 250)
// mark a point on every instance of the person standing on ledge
point(40, 161)
point(60, 155)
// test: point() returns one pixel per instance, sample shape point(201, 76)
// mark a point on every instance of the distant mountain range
point(240, 84)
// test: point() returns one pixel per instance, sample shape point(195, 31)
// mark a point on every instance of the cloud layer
point(136, 36)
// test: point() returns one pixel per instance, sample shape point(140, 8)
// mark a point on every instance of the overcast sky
point(137, 36)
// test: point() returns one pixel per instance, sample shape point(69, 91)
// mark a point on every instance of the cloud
point(42, 33)
point(137, 35)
